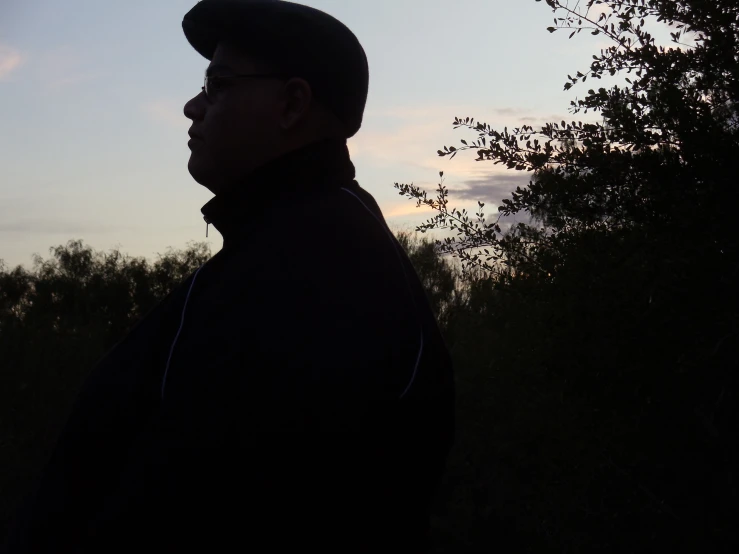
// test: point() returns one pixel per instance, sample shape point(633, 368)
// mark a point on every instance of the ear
point(298, 100)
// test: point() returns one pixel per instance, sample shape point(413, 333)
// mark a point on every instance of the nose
point(195, 107)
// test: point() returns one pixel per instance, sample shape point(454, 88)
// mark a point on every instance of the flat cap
point(300, 40)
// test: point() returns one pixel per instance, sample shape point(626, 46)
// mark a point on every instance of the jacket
point(294, 392)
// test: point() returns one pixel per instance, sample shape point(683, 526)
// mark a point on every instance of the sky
point(94, 139)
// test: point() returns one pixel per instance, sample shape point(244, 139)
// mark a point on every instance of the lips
point(194, 140)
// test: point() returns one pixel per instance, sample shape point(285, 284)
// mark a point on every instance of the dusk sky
point(94, 140)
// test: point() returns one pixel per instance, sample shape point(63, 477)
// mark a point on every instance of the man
point(294, 393)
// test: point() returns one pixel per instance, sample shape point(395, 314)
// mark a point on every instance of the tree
point(56, 321)
point(439, 277)
point(627, 273)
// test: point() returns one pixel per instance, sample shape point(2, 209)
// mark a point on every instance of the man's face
point(237, 128)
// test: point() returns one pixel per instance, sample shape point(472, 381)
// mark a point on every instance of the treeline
point(56, 321)
point(571, 437)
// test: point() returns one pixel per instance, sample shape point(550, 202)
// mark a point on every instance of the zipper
point(182, 324)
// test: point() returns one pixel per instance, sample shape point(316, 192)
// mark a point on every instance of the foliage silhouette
point(56, 321)
point(611, 323)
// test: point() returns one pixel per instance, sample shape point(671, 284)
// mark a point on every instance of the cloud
point(408, 207)
point(410, 136)
point(540, 121)
point(510, 111)
point(10, 60)
point(169, 112)
point(492, 188)
point(597, 9)
point(422, 112)
point(406, 143)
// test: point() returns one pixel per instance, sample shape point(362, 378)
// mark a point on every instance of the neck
point(320, 166)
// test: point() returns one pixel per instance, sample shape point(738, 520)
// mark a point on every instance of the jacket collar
point(318, 167)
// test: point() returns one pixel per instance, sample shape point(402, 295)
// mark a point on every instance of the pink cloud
point(411, 136)
point(10, 60)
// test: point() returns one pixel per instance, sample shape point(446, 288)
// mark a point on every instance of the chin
point(202, 175)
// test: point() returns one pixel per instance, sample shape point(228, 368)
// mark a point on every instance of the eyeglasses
point(214, 83)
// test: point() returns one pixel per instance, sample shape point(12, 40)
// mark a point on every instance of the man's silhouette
point(294, 393)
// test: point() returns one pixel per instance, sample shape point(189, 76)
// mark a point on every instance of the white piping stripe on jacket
point(402, 267)
point(410, 289)
point(182, 323)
